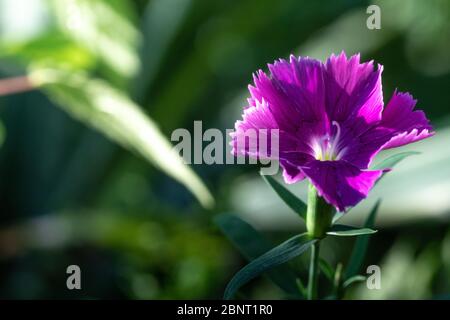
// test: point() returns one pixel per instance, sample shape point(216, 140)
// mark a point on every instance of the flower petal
point(353, 91)
point(302, 81)
point(295, 94)
point(340, 183)
point(400, 125)
point(403, 123)
point(360, 149)
point(291, 173)
point(253, 137)
point(246, 137)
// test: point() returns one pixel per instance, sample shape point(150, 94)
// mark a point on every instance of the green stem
point(319, 214)
point(313, 271)
point(318, 220)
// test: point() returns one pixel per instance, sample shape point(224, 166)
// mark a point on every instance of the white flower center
point(326, 148)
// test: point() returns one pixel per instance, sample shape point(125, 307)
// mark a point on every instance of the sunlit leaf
point(361, 244)
point(51, 50)
point(252, 244)
point(97, 104)
point(101, 28)
point(348, 231)
point(288, 197)
point(278, 255)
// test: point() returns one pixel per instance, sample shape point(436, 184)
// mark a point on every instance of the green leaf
point(162, 20)
point(53, 48)
point(288, 197)
point(96, 103)
point(103, 29)
point(301, 287)
point(278, 255)
point(361, 244)
point(352, 280)
point(348, 231)
point(337, 216)
point(326, 269)
point(391, 161)
point(252, 244)
point(387, 163)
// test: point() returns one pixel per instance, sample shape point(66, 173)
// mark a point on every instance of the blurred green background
point(86, 172)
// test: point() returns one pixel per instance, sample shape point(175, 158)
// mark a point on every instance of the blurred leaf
point(53, 49)
point(352, 280)
point(348, 231)
point(391, 161)
point(337, 283)
point(162, 19)
point(301, 287)
point(288, 197)
point(338, 215)
point(327, 269)
point(278, 255)
point(97, 104)
point(100, 27)
point(361, 244)
point(252, 244)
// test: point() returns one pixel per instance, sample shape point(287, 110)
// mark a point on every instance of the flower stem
point(318, 220)
point(313, 271)
point(318, 215)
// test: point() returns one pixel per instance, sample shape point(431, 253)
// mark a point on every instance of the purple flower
point(331, 122)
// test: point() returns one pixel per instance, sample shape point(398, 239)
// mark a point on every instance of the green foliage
point(391, 161)
point(288, 198)
point(252, 245)
point(348, 231)
point(106, 109)
point(361, 244)
point(276, 256)
point(101, 28)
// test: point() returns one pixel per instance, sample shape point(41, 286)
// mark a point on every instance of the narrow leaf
point(348, 231)
point(337, 216)
point(251, 244)
point(326, 269)
point(97, 104)
point(162, 20)
point(352, 280)
point(301, 287)
point(278, 255)
point(288, 197)
point(361, 244)
point(391, 161)
point(386, 164)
